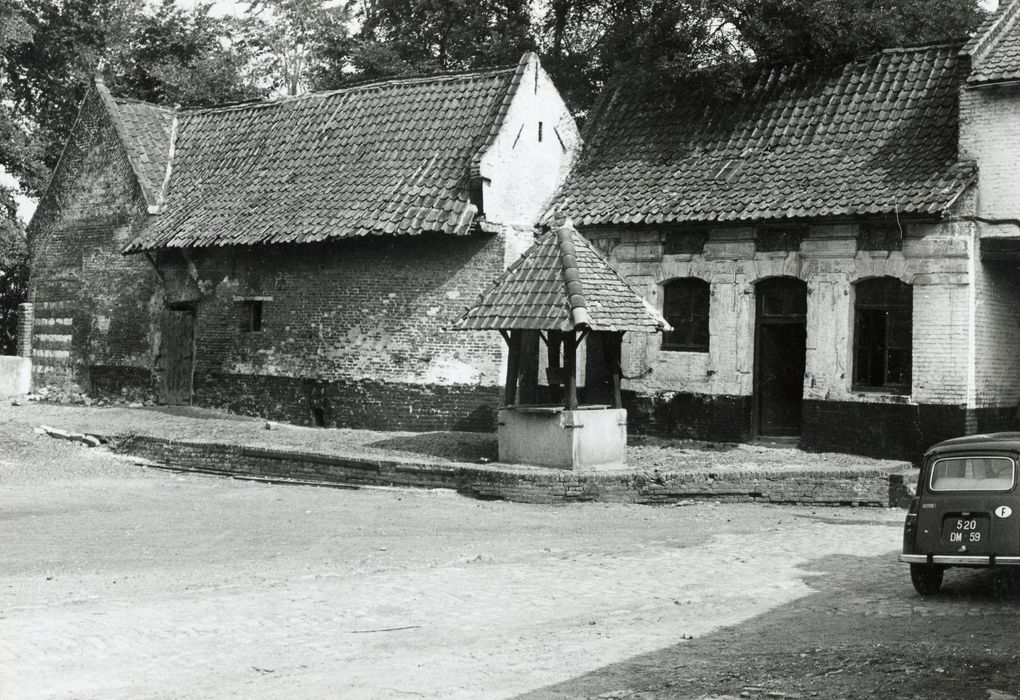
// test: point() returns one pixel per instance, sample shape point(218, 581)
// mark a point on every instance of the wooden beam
point(513, 365)
point(527, 385)
point(570, 367)
point(615, 353)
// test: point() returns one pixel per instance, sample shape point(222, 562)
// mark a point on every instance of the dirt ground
point(125, 582)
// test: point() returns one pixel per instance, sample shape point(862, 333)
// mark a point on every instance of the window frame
point(906, 313)
point(252, 313)
point(688, 316)
point(961, 488)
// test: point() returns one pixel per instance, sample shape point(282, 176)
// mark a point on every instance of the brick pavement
point(125, 582)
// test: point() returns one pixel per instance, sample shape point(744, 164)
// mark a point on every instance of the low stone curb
point(865, 486)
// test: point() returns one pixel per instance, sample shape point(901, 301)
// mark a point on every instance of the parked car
point(967, 509)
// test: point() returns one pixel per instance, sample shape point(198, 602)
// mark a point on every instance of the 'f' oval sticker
point(1004, 511)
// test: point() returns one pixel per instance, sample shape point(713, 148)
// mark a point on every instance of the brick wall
point(357, 329)
point(818, 487)
point(91, 303)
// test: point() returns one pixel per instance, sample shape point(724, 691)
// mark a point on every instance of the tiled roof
point(873, 137)
point(995, 47)
point(149, 130)
point(561, 283)
point(391, 157)
point(145, 131)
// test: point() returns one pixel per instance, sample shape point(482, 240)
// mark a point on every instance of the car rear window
point(973, 474)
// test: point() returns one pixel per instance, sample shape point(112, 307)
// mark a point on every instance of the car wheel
point(927, 579)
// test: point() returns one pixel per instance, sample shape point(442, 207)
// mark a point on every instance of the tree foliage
point(299, 44)
point(13, 280)
point(659, 41)
point(400, 37)
point(183, 57)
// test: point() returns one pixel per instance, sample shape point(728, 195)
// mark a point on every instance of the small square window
point(251, 315)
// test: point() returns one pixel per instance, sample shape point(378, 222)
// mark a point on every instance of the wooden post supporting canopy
point(527, 367)
point(615, 353)
point(570, 368)
point(513, 363)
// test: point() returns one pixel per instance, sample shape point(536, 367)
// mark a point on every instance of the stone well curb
point(863, 486)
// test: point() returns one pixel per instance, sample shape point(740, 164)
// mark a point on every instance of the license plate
point(970, 531)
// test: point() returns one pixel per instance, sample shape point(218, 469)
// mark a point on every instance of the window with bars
point(883, 313)
point(685, 306)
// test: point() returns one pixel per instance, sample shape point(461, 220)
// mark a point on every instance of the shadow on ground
point(456, 447)
point(864, 634)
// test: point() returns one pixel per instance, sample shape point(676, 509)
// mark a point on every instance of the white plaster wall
point(990, 134)
point(935, 260)
point(522, 173)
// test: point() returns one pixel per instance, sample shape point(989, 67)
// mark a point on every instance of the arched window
point(882, 334)
point(685, 307)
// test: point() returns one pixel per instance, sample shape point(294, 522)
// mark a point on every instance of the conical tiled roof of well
point(562, 283)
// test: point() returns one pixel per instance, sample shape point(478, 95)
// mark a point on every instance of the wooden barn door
point(176, 358)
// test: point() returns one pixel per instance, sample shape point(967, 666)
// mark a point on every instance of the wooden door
point(176, 358)
point(779, 347)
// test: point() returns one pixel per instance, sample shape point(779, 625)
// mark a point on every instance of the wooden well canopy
point(562, 291)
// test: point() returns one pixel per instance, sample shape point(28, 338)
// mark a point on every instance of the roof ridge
point(136, 101)
point(990, 29)
point(949, 43)
point(572, 286)
point(355, 87)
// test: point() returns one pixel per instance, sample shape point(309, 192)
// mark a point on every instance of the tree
point(13, 277)
point(183, 57)
point(661, 41)
point(47, 76)
point(299, 44)
point(835, 31)
point(401, 37)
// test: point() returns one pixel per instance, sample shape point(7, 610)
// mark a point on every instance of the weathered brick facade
point(357, 329)
point(91, 303)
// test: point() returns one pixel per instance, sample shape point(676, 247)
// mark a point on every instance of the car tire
point(927, 579)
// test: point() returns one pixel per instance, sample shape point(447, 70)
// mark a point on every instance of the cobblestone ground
point(125, 582)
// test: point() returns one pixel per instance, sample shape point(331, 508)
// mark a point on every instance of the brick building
point(300, 259)
point(836, 249)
